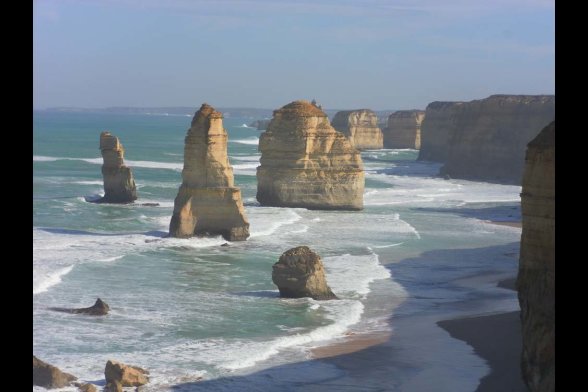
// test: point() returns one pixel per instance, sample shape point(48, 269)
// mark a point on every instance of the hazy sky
point(378, 54)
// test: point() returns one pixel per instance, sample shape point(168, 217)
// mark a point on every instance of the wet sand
point(497, 339)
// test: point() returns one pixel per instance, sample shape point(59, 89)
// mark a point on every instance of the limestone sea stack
point(536, 279)
point(404, 129)
point(208, 203)
point(300, 273)
point(119, 184)
point(306, 163)
point(361, 128)
point(437, 126)
point(490, 136)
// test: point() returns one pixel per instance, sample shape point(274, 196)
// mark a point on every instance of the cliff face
point(208, 202)
point(360, 127)
point(437, 126)
point(536, 279)
point(119, 184)
point(404, 129)
point(306, 163)
point(490, 136)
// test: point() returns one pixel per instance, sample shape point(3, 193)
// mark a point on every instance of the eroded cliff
point(536, 279)
point(436, 128)
point(306, 163)
point(489, 136)
point(404, 129)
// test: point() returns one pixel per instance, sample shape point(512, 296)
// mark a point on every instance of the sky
point(376, 54)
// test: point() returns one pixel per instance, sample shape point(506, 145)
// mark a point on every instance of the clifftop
point(300, 108)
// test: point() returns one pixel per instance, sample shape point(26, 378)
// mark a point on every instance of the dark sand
point(497, 339)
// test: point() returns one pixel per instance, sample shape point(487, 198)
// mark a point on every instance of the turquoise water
point(191, 308)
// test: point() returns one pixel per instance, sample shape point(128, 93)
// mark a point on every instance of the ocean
point(190, 308)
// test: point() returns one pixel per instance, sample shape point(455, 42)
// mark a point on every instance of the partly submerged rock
point(48, 376)
point(119, 184)
point(100, 308)
point(361, 128)
point(300, 273)
point(87, 388)
point(536, 279)
point(113, 386)
point(208, 203)
point(126, 375)
point(306, 163)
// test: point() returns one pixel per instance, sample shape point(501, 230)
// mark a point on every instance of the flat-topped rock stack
point(306, 163)
point(208, 203)
point(404, 129)
point(361, 128)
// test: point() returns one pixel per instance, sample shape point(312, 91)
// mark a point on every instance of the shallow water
point(190, 308)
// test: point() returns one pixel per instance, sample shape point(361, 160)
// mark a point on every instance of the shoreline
point(517, 224)
point(497, 339)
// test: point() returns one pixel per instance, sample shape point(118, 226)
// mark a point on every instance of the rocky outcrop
point(119, 184)
point(100, 308)
point(48, 376)
point(87, 388)
point(360, 127)
point(113, 386)
point(208, 203)
point(306, 163)
point(436, 128)
point(490, 136)
point(300, 273)
point(125, 375)
point(404, 129)
point(536, 279)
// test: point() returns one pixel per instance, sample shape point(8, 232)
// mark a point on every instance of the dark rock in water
point(447, 177)
point(150, 204)
point(536, 279)
point(119, 184)
point(87, 388)
point(100, 308)
point(225, 244)
point(299, 273)
point(126, 375)
point(113, 386)
point(48, 376)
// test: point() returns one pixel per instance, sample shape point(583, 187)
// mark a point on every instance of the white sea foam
point(252, 141)
point(351, 275)
point(131, 163)
point(43, 280)
point(267, 220)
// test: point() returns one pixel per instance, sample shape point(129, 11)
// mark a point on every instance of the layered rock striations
point(436, 128)
point(208, 203)
point(119, 184)
point(536, 279)
point(300, 273)
point(360, 127)
point(306, 163)
point(404, 129)
point(490, 136)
